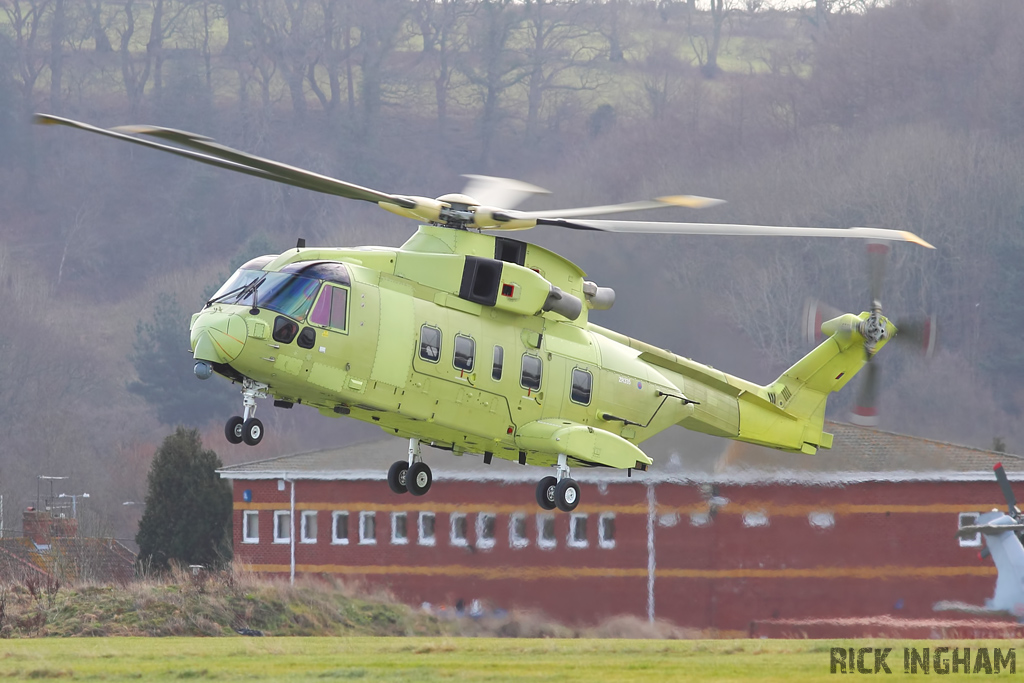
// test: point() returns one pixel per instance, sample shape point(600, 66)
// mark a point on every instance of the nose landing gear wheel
point(546, 493)
point(233, 429)
point(567, 495)
point(398, 477)
point(252, 431)
point(418, 478)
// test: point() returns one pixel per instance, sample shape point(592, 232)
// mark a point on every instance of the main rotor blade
point(503, 192)
point(684, 200)
point(865, 413)
point(214, 154)
point(655, 227)
point(1004, 484)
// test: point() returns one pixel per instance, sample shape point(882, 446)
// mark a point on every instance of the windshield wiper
point(242, 292)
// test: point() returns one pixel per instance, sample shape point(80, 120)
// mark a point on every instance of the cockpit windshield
point(285, 293)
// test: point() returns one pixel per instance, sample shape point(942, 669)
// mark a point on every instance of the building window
point(430, 343)
point(753, 518)
point(530, 378)
point(339, 527)
point(517, 530)
point(700, 519)
point(606, 530)
point(969, 519)
point(308, 526)
point(497, 363)
point(485, 530)
point(582, 381)
point(458, 529)
point(465, 353)
point(282, 526)
point(821, 520)
point(250, 526)
point(545, 531)
point(399, 528)
point(367, 528)
point(578, 531)
point(426, 528)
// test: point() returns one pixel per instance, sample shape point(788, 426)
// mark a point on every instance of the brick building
point(746, 536)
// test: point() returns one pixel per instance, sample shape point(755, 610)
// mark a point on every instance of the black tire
point(567, 495)
point(252, 431)
point(546, 493)
point(233, 429)
point(397, 476)
point(418, 478)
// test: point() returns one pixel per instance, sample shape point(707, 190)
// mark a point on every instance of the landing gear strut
point(247, 428)
point(559, 491)
point(412, 475)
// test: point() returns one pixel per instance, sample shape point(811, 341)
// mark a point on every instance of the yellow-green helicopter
point(478, 343)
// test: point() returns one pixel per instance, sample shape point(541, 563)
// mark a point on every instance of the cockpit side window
point(331, 309)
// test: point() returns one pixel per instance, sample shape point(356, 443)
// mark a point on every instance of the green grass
point(431, 659)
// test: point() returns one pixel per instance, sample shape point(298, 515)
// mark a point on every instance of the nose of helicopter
point(218, 337)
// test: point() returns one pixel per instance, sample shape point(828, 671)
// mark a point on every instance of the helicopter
point(478, 343)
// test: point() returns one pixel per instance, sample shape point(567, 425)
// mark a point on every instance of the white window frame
point(395, 539)
point(545, 543)
point(574, 519)
point(756, 518)
point(821, 519)
point(481, 541)
point(602, 542)
point(456, 541)
point(422, 539)
point(304, 536)
point(250, 522)
point(335, 539)
point(968, 519)
point(514, 539)
point(278, 514)
point(363, 516)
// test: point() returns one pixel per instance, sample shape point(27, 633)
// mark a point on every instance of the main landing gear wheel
point(252, 431)
point(397, 476)
point(418, 478)
point(546, 493)
point(233, 429)
point(567, 495)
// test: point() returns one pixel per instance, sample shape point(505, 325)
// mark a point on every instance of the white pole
point(291, 577)
point(651, 511)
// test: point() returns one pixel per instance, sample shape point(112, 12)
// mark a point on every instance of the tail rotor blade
point(865, 413)
point(878, 256)
point(815, 313)
point(1004, 484)
point(919, 333)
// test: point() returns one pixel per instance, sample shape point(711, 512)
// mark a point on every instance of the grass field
point(436, 659)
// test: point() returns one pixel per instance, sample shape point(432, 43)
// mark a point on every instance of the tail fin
point(789, 413)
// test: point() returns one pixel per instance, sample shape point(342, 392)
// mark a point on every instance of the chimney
point(41, 526)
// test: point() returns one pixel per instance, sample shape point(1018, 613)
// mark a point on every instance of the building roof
point(858, 454)
point(69, 559)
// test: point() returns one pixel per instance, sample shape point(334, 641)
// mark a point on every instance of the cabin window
point(754, 518)
point(517, 530)
point(339, 527)
point(578, 531)
point(426, 528)
point(496, 364)
point(458, 529)
point(282, 526)
point(582, 381)
point(331, 309)
point(465, 353)
point(250, 526)
point(430, 343)
point(545, 531)
point(367, 528)
point(399, 528)
point(485, 530)
point(284, 330)
point(606, 530)
point(969, 519)
point(308, 526)
point(531, 372)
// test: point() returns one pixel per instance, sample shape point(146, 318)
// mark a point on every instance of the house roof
point(858, 454)
point(70, 559)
